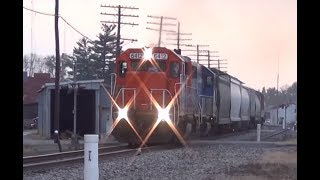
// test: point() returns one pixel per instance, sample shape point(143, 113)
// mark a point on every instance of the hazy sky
point(250, 34)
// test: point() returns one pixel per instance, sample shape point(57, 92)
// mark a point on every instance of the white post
point(258, 132)
point(91, 169)
point(283, 124)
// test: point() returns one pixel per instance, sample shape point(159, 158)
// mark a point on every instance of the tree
point(84, 60)
point(105, 52)
point(288, 94)
point(263, 91)
point(66, 62)
point(292, 92)
point(33, 63)
point(50, 64)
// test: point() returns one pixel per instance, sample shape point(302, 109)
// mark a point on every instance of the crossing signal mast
point(119, 15)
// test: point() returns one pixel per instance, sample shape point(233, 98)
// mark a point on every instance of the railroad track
point(38, 160)
point(223, 135)
point(77, 156)
point(274, 134)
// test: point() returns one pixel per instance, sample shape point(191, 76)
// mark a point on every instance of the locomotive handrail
point(206, 96)
point(122, 90)
point(165, 90)
point(190, 87)
point(200, 104)
point(113, 87)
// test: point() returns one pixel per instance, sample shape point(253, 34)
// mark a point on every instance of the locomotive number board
point(156, 56)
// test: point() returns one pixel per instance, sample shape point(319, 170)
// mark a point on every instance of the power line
point(119, 15)
point(47, 14)
point(197, 50)
point(74, 28)
point(178, 34)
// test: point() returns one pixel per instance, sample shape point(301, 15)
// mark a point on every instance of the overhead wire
point(48, 14)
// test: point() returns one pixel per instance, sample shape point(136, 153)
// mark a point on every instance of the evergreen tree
point(105, 52)
point(66, 63)
point(288, 94)
point(84, 60)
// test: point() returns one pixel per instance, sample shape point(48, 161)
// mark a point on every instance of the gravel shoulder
point(225, 161)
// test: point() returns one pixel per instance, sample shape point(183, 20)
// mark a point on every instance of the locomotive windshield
point(148, 67)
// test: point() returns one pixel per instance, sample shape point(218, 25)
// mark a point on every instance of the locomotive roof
point(185, 59)
point(162, 50)
point(217, 71)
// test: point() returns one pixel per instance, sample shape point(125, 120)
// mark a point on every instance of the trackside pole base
point(91, 169)
point(258, 132)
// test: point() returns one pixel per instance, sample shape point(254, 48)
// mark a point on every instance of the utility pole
point(197, 50)
point(57, 78)
point(119, 15)
point(31, 50)
point(75, 91)
point(160, 25)
point(178, 37)
point(221, 63)
point(207, 54)
point(278, 91)
point(208, 59)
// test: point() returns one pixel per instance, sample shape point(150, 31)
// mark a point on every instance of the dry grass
point(273, 165)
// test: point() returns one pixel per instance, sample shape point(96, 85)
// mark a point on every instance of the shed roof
point(32, 84)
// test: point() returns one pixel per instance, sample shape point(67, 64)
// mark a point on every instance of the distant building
point(31, 85)
point(288, 113)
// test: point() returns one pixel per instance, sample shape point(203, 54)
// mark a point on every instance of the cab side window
point(123, 68)
point(174, 69)
point(209, 81)
point(194, 72)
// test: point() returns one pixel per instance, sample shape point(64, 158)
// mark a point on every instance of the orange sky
point(250, 34)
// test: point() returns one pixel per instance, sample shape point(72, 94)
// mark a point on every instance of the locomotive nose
point(148, 84)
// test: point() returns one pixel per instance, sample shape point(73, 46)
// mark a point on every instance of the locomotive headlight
point(123, 113)
point(163, 114)
point(147, 54)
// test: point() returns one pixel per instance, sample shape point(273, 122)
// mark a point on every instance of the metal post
point(258, 132)
point(285, 116)
point(284, 123)
point(91, 169)
point(163, 99)
point(56, 132)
